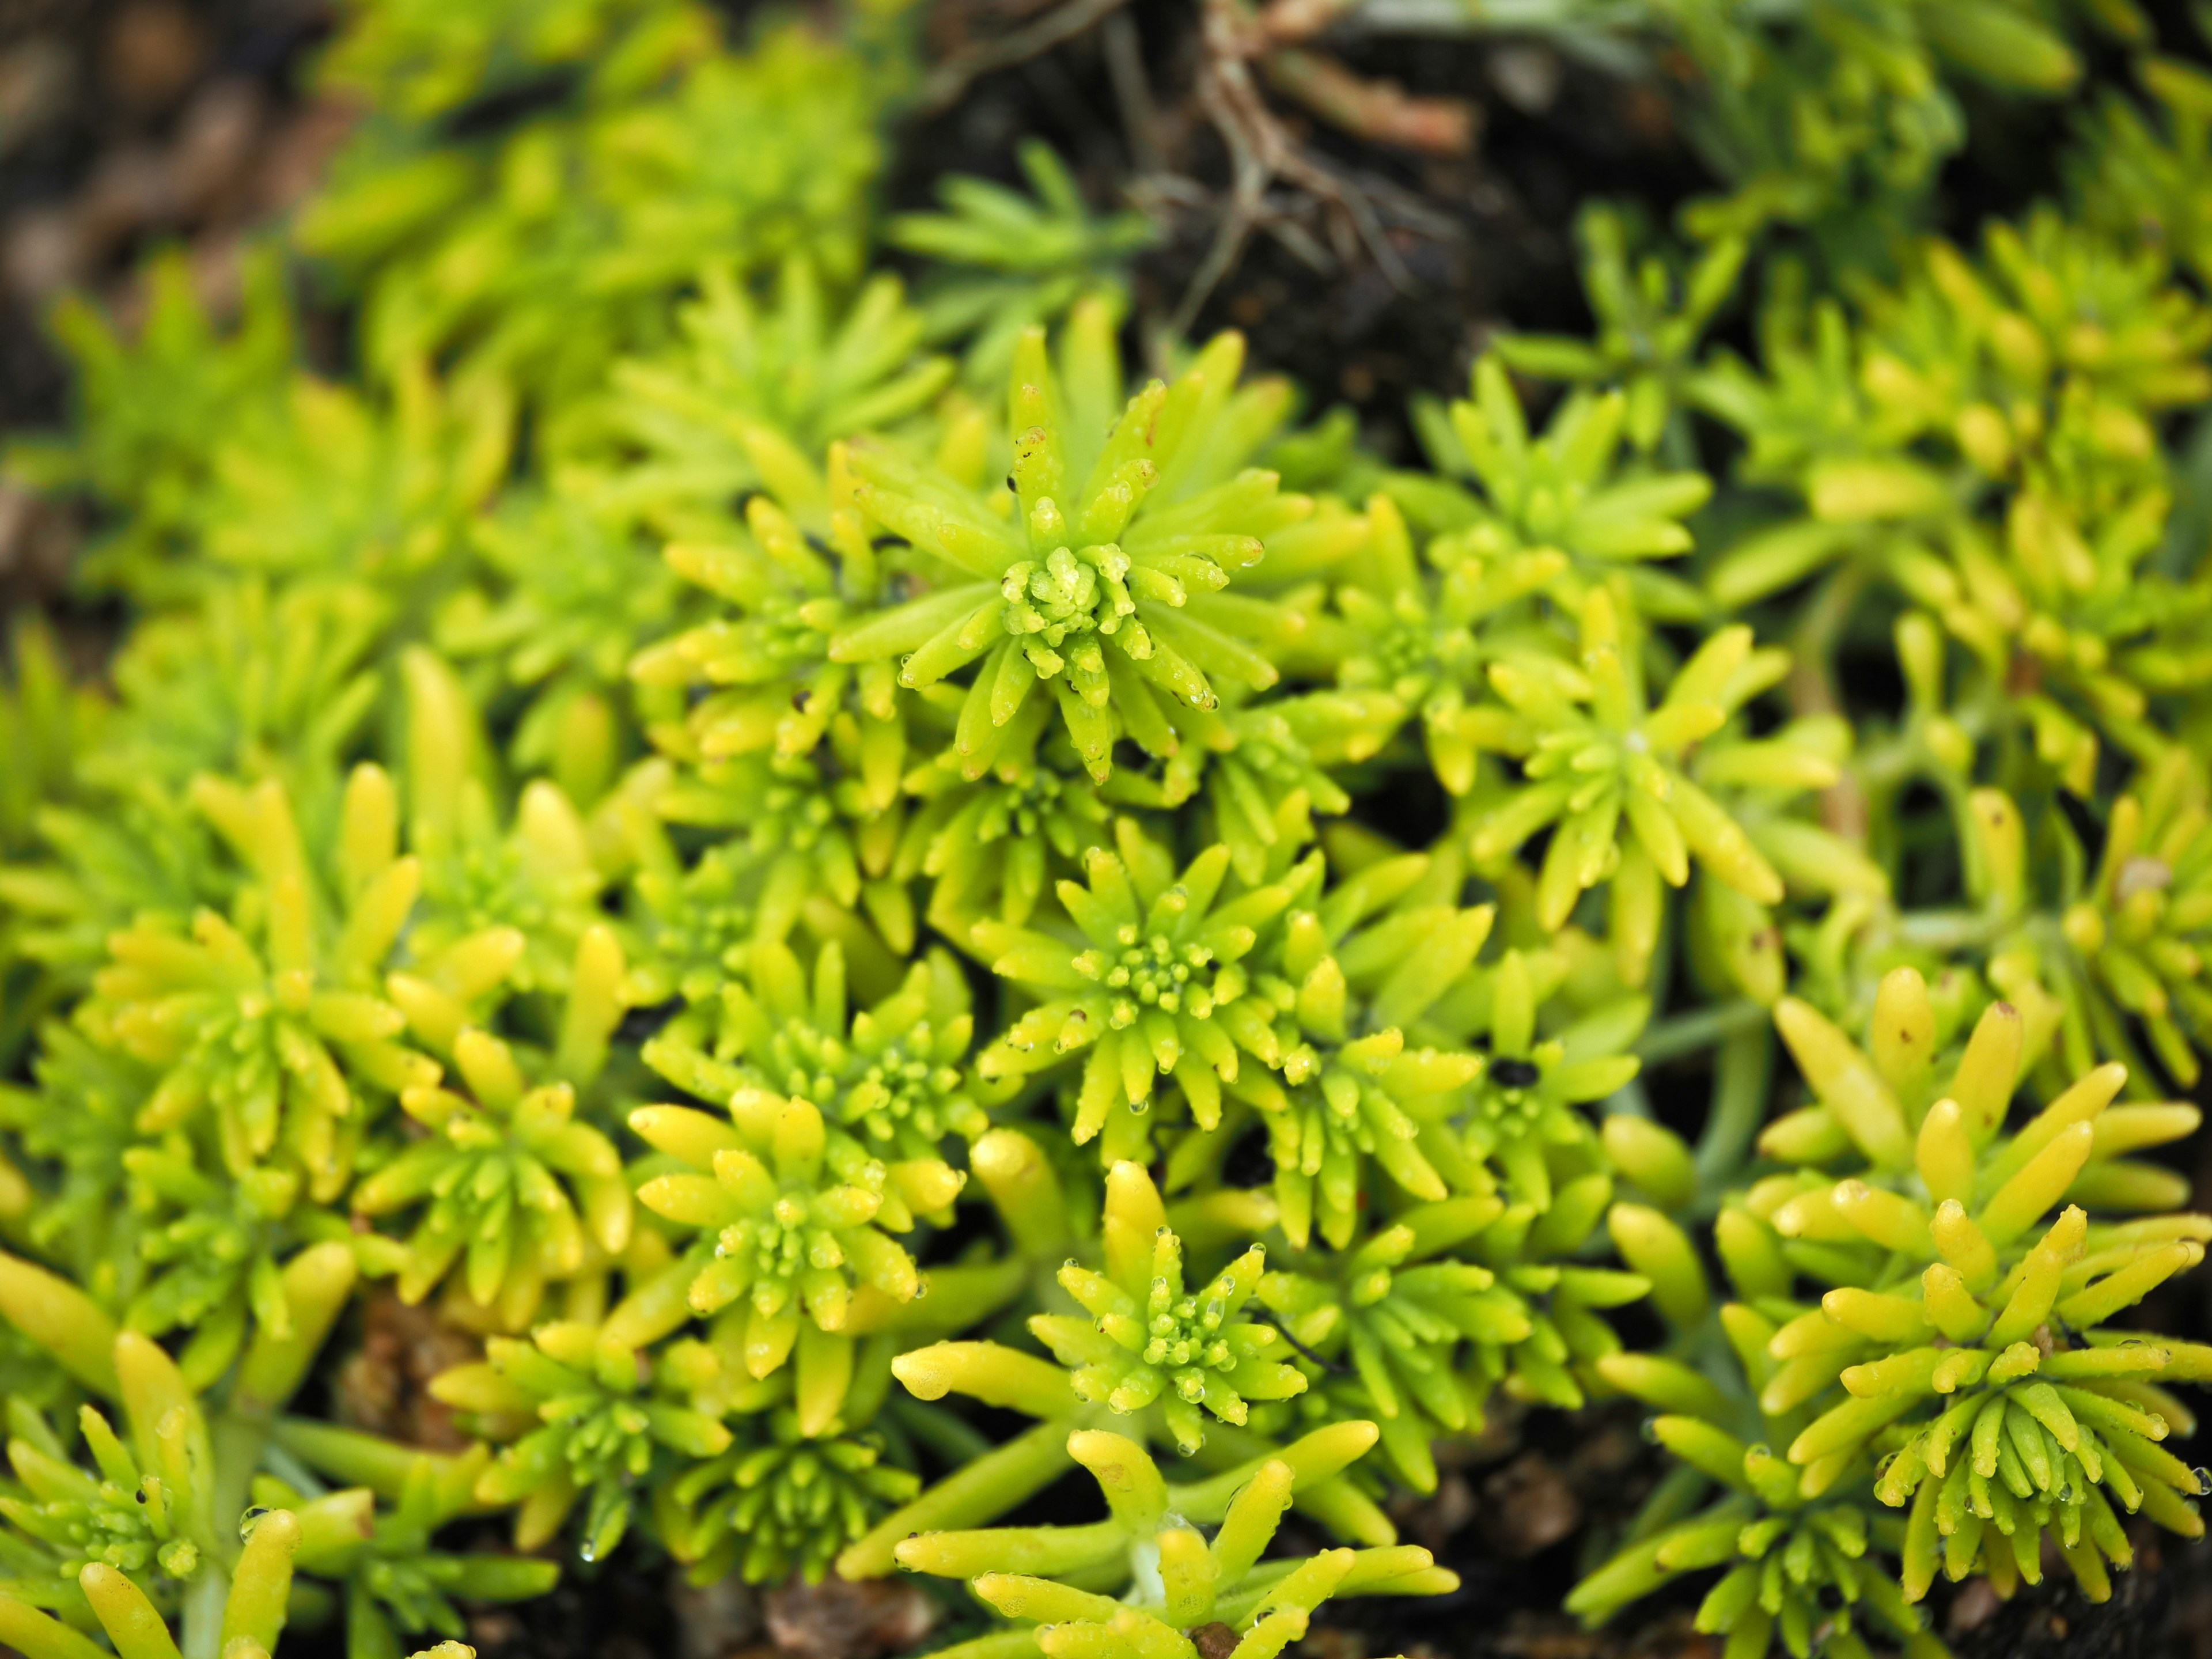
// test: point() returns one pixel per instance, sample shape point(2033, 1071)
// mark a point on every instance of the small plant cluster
point(799, 864)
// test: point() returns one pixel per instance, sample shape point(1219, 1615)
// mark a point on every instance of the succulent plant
point(1598, 750)
point(1798, 1562)
point(779, 1501)
point(1193, 925)
point(1104, 589)
point(1415, 1323)
point(798, 1217)
point(270, 1032)
point(568, 1434)
point(2009, 1301)
point(1148, 1340)
point(1556, 491)
point(155, 407)
point(893, 1076)
point(755, 391)
point(1212, 1591)
point(1011, 261)
point(1649, 316)
point(1151, 983)
point(512, 1188)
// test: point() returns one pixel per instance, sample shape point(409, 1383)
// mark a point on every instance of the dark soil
point(1494, 239)
point(124, 123)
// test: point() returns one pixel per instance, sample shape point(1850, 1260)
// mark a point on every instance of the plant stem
point(1741, 1077)
point(1686, 1033)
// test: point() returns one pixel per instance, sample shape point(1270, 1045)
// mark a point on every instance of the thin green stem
point(1686, 1034)
point(989, 1486)
point(1741, 1077)
point(1949, 930)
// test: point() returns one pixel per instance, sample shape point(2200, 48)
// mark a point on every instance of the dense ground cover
point(1116, 830)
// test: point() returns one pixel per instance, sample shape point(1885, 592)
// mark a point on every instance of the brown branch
point(951, 77)
point(1286, 20)
point(1380, 111)
point(1125, 68)
point(1261, 152)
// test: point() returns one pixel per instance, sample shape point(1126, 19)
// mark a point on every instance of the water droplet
point(2204, 1481)
point(1650, 1430)
point(587, 1551)
point(249, 1521)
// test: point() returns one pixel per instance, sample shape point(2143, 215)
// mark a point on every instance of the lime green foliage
point(804, 904)
point(1523, 1102)
point(1150, 985)
point(414, 61)
point(244, 1612)
point(80, 1147)
point(990, 841)
point(798, 1217)
point(1649, 323)
point(586, 219)
point(1191, 1368)
point(1099, 583)
point(1797, 1560)
point(1416, 639)
point(1415, 1325)
point(1831, 122)
point(46, 723)
point(395, 1579)
point(1147, 1341)
point(2141, 923)
point(570, 1432)
point(892, 1075)
point(269, 1034)
point(1011, 261)
point(253, 681)
point(572, 590)
point(2016, 1294)
point(1558, 492)
point(1956, 1367)
point(80, 1518)
point(778, 682)
point(2119, 944)
point(1348, 1099)
point(336, 484)
point(1601, 751)
point(169, 1524)
point(150, 407)
point(780, 1502)
point(1984, 440)
point(753, 391)
point(689, 927)
point(513, 1189)
point(1185, 1584)
point(2136, 172)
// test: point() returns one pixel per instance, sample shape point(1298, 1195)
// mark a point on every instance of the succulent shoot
point(799, 1220)
point(1187, 1592)
point(1148, 1341)
point(569, 1435)
point(1101, 587)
